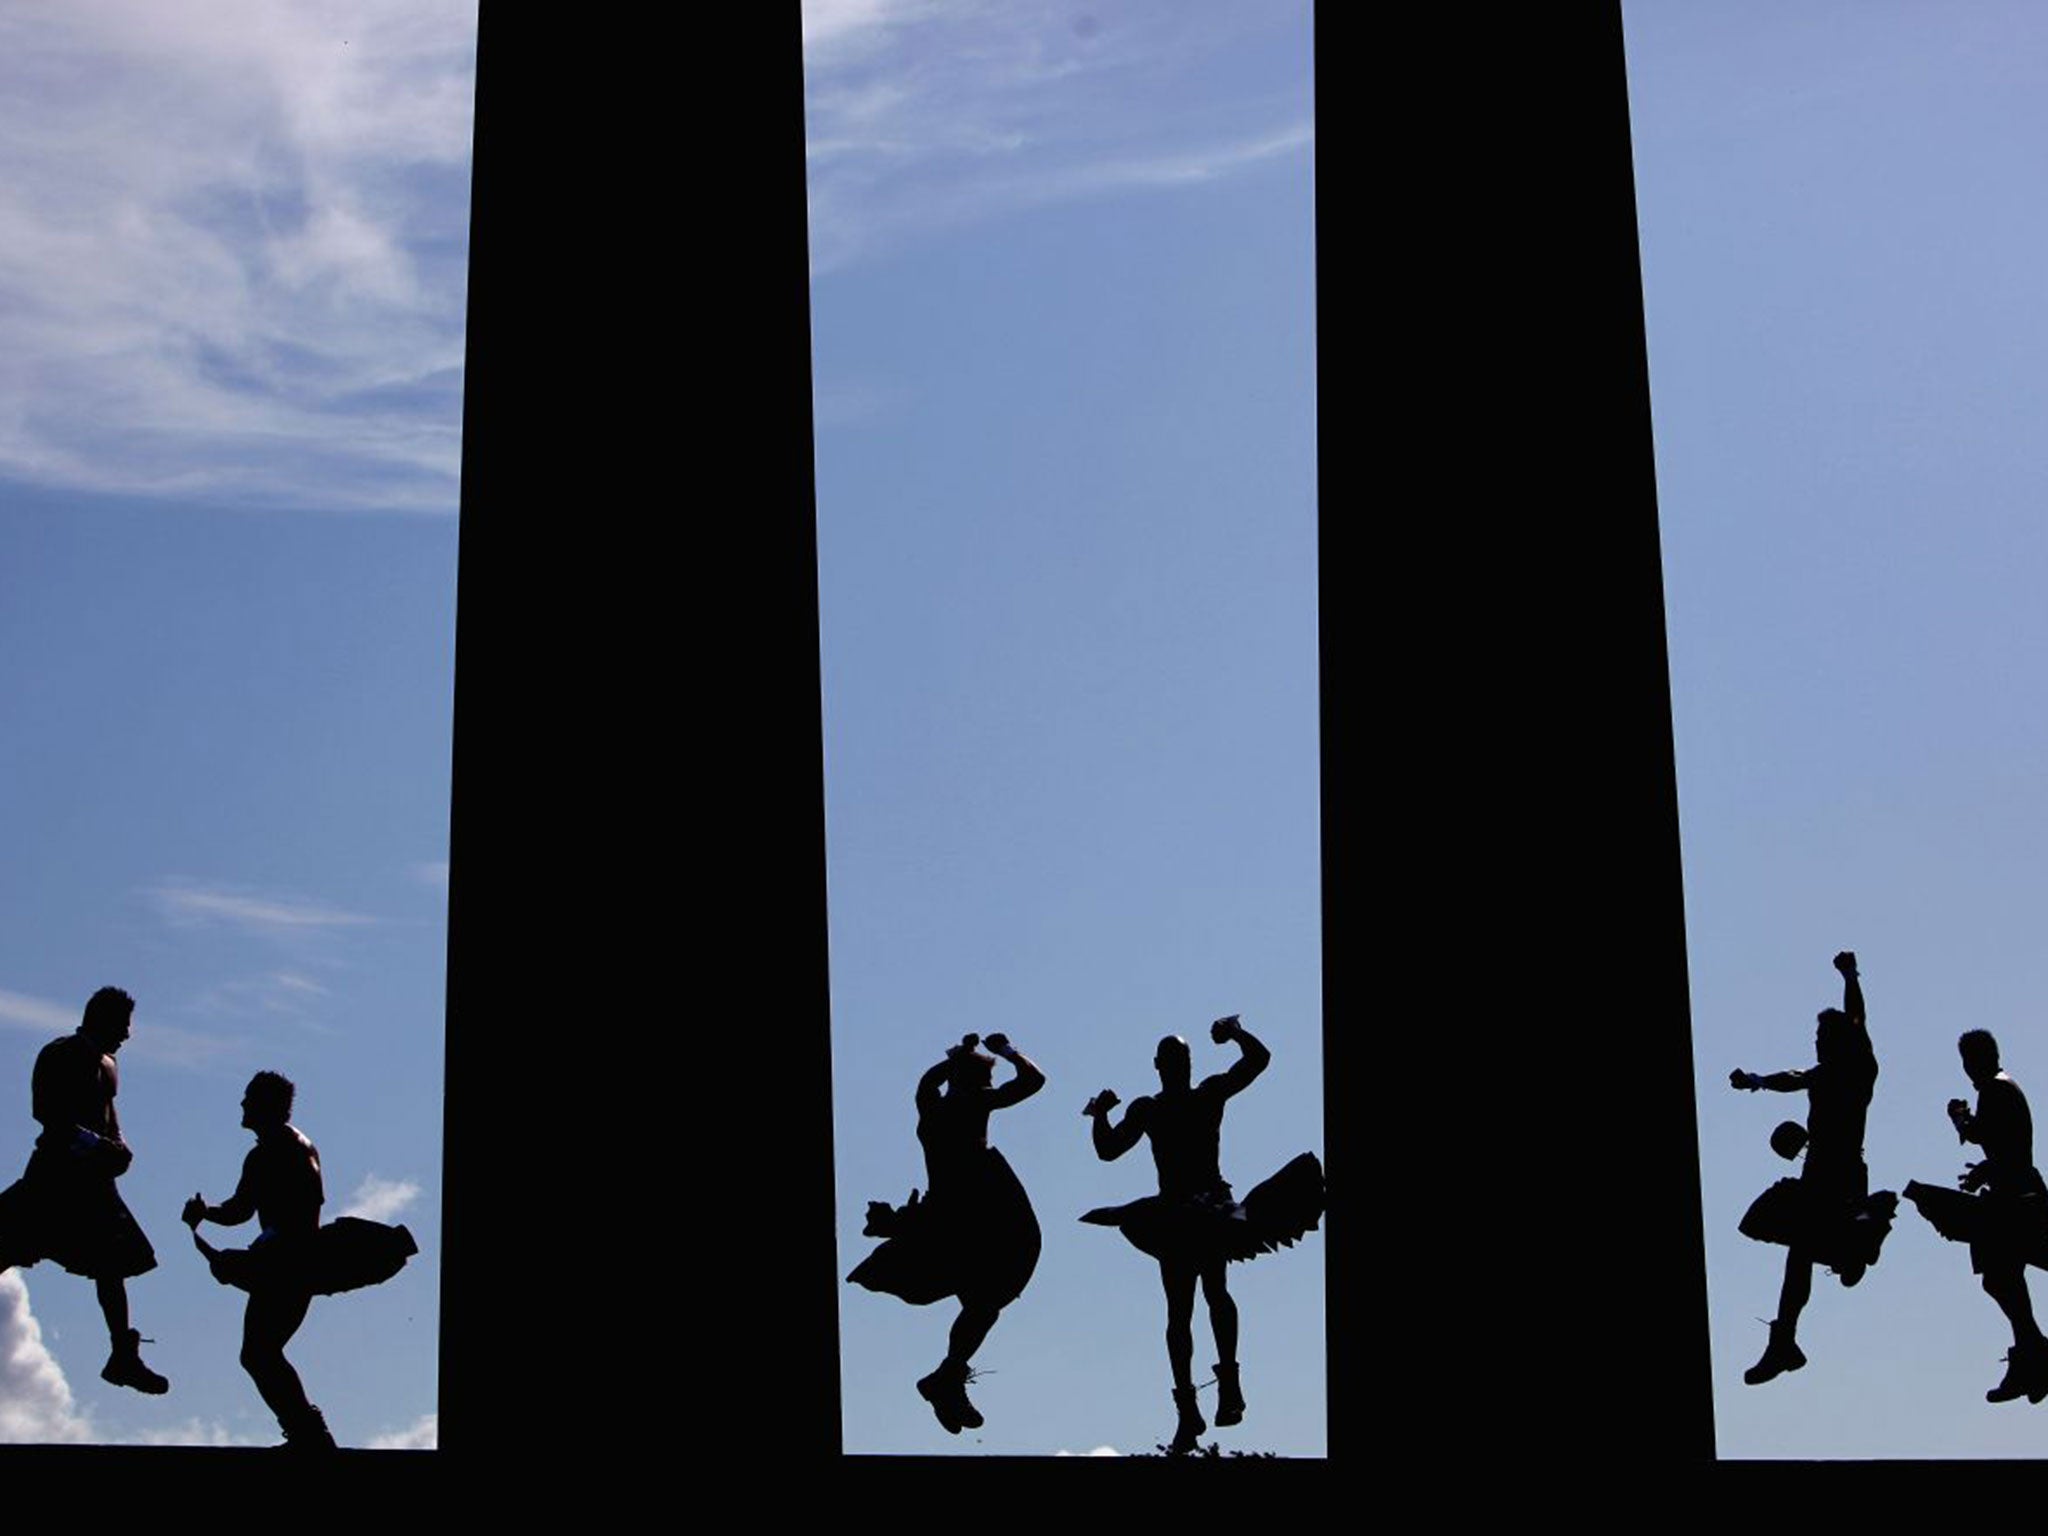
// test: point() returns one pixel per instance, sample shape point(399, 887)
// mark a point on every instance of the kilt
point(1834, 1222)
point(2002, 1229)
point(977, 1240)
point(1203, 1228)
point(345, 1255)
point(63, 1210)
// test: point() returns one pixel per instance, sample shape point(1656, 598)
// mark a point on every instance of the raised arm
point(1027, 1081)
point(1113, 1141)
point(1239, 1074)
point(1852, 988)
point(928, 1087)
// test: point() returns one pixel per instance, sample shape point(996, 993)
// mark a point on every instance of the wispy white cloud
point(269, 997)
point(36, 1406)
point(158, 1042)
point(236, 248)
point(23, 1012)
point(922, 116)
point(177, 1047)
point(423, 1434)
point(378, 1199)
point(186, 905)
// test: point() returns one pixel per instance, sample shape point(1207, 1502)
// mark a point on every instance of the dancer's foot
point(1782, 1354)
point(124, 1367)
point(2026, 1375)
point(1229, 1396)
point(1191, 1424)
point(946, 1390)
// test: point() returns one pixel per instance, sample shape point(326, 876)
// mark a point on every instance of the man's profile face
point(1979, 1063)
point(110, 1034)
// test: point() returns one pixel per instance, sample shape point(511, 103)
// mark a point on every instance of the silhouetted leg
point(969, 1329)
point(268, 1324)
point(946, 1388)
point(1783, 1353)
point(2008, 1287)
point(113, 1296)
point(1223, 1326)
point(1796, 1291)
point(1179, 1280)
point(124, 1367)
point(2026, 1371)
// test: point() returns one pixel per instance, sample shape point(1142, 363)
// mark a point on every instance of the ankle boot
point(946, 1390)
point(1229, 1397)
point(1191, 1422)
point(2026, 1374)
point(124, 1367)
point(1782, 1354)
point(307, 1432)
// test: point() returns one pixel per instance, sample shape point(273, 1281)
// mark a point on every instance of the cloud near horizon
point(36, 1405)
point(236, 249)
point(423, 1434)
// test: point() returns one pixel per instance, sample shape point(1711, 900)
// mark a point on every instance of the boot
point(1191, 1422)
point(946, 1390)
point(307, 1432)
point(124, 1367)
point(1780, 1355)
point(2026, 1374)
point(1229, 1398)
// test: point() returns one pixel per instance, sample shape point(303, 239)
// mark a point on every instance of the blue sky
point(230, 346)
point(1063, 320)
point(1842, 241)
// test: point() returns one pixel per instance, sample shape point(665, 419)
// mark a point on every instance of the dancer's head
point(968, 1066)
point(108, 1013)
point(1980, 1055)
point(1175, 1063)
point(1836, 1036)
point(267, 1100)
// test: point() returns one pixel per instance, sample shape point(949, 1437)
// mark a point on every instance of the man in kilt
point(1834, 1188)
point(65, 1206)
point(281, 1186)
point(1192, 1226)
point(2001, 1212)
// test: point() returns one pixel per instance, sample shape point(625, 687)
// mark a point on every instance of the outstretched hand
point(1845, 962)
point(1741, 1079)
point(193, 1213)
point(1223, 1029)
point(1101, 1104)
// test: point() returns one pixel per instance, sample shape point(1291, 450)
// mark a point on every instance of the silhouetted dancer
point(1828, 1214)
point(2001, 1210)
point(1192, 1226)
point(294, 1258)
point(65, 1206)
point(973, 1235)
